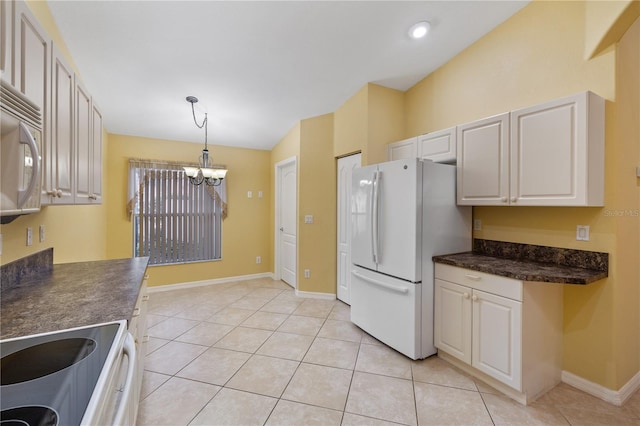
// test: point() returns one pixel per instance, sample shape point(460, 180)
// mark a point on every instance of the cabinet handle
point(474, 298)
point(59, 193)
point(145, 297)
point(514, 199)
point(473, 277)
point(465, 295)
point(503, 199)
point(93, 197)
point(136, 312)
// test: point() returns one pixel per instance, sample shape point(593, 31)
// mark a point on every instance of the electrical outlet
point(582, 233)
point(29, 236)
point(41, 233)
point(249, 194)
point(307, 273)
point(258, 259)
point(260, 194)
point(477, 225)
point(308, 218)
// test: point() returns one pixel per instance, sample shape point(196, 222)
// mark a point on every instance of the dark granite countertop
point(71, 295)
point(531, 263)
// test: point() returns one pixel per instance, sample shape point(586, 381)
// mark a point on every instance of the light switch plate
point(582, 233)
point(477, 225)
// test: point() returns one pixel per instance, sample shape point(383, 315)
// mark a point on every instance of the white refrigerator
point(403, 212)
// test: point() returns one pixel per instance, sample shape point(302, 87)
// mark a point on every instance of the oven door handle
point(129, 350)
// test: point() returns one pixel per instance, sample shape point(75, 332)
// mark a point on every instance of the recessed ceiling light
point(419, 30)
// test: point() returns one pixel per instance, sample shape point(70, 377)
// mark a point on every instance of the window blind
point(174, 220)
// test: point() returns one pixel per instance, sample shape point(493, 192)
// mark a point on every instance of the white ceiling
point(256, 67)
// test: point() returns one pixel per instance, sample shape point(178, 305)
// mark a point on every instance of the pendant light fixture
point(204, 173)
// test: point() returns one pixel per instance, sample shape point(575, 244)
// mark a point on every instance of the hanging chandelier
point(204, 173)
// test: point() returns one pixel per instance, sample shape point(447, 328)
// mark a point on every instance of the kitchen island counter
point(71, 295)
point(527, 262)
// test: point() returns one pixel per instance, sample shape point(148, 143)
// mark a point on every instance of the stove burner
point(43, 359)
point(29, 416)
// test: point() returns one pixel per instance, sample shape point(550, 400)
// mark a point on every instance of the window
point(173, 220)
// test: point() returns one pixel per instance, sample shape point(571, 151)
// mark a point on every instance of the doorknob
point(281, 228)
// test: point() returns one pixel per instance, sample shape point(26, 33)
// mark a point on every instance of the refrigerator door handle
point(391, 287)
point(374, 216)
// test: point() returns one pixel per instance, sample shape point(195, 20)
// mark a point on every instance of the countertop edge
point(549, 273)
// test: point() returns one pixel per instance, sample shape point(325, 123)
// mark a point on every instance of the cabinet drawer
point(501, 286)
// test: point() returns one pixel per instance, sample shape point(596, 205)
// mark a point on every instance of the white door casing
point(345, 169)
point(286, 221)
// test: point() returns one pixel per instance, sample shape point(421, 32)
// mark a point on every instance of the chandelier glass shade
point(204, 173)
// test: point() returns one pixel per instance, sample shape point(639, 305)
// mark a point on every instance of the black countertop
point(71, 295)
point(528, 262)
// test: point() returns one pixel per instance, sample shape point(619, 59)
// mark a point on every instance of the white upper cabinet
point(557, 153)
point(439, 146)
point(83, 138)
point(95, 185)
point(483, 162)
point(31, 64)
point(58, 153)
point(551, 154)
point(407, 148)
point(6, 35)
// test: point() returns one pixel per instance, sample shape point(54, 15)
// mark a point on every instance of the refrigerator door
point(362, 240)
point(388, 309)
point(399, 219)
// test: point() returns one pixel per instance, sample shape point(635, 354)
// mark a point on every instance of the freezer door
point(388, 309)
point(399, 219)
point(362, 247)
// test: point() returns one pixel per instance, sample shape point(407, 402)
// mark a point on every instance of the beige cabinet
point(439, 146)
point(95, 184)
point(507, 332)
point(58, 152)
point(407, 148)
point(551, 154)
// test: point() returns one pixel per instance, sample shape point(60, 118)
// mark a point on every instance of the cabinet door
point(58, 152)
point(83, 135)
point(438, 146)
point(497, 337)
point(96, 156)
point(403, 149)
point(557, 150)
point(452, 322)
point(31, 58)
point(483, 161)
point(6, 35)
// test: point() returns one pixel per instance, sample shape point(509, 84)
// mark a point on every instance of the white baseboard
point(618, 397)
point(315, 295)
point(193, 284)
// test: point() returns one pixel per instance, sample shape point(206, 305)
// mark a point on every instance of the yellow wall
point(350, 126)
point(244, 231)
point(538, 55)
point(76, 233)
point(317, 197)
point(627, 189)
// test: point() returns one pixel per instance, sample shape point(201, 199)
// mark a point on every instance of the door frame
point(279, 166)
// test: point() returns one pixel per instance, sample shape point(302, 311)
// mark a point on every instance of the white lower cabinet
point(138, 329)
point(504, 331)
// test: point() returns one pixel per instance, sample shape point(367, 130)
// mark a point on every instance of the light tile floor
point(252, 353)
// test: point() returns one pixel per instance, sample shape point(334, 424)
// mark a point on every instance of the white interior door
point(286, 230)
point(345, 169)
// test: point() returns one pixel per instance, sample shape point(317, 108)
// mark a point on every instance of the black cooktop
point(48, 379)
